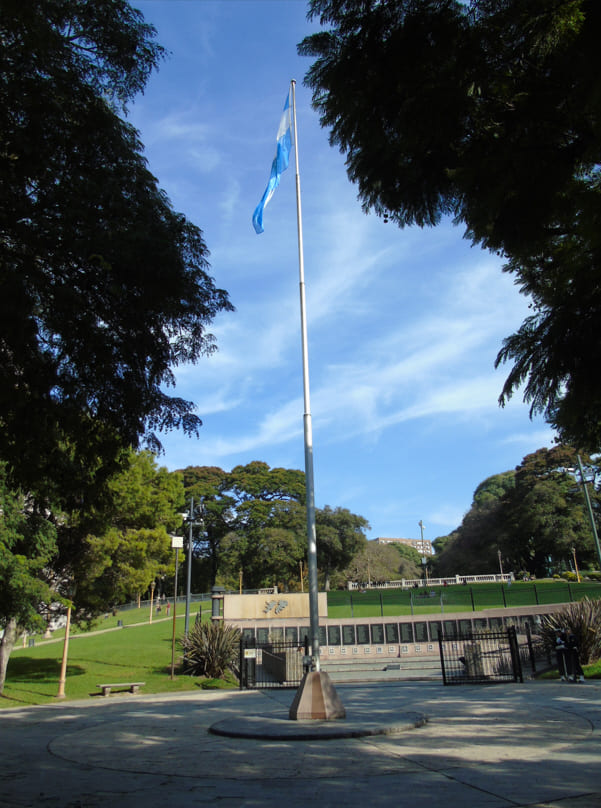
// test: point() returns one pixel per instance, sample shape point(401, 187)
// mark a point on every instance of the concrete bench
point(131, 687)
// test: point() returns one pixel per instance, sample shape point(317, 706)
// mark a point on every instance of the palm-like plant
point(210, 649)
point(583, 620)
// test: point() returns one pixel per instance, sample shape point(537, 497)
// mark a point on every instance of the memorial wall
point(285, 606)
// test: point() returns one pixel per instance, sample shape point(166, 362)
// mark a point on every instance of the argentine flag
point(280, 163)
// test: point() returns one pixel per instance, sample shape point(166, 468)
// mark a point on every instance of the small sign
point(177, 542)
point(250, 653)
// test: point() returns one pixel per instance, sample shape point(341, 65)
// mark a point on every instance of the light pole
point(424, 559)
point(194, 519)
point(590, 510)
point(176, 543)
point(500, 562)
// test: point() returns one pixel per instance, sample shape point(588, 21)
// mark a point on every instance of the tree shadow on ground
point(23, 669)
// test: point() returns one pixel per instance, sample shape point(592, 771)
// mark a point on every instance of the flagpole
point(307, 423)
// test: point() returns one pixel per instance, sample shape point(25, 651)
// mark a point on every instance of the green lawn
point(457, 598)
point(139, 653)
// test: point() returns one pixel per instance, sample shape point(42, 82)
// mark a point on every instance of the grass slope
point(140, 653)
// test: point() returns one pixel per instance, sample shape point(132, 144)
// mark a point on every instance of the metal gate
point(481, 657)
point(273, 664)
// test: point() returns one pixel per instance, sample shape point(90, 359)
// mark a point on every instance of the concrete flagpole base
point(317, 699)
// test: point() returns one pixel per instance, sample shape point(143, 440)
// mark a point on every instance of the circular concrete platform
point(268, 728)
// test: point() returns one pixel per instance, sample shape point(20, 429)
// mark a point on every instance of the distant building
point(423, 546)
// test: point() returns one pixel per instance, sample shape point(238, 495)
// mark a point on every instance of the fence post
point(530, 648)
point(442, 667)
point(472, 598)
point(504, 598)
point(570, 593)
point(352, 612)
point(515, 654)
point(535, 594)
point(411, 600)
point(381, 606)
point(242, 662)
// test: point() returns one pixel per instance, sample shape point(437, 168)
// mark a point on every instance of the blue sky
point(403, 325)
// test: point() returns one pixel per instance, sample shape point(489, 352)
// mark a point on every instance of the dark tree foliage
point(104, 288)
point(487, 111)
point(254, 520)
point(534, 516)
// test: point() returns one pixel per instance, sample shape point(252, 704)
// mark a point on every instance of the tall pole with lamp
point(193, 519)
point(589, 508)
point(189, 566)
point(177, 542)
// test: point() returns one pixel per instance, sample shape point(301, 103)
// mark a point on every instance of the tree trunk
point(7, 643)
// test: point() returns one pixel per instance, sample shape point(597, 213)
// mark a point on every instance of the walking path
point(407, 743)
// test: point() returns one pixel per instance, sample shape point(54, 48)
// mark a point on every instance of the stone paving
point(535, 744)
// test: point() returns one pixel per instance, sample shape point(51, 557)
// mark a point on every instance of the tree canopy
point(93, 558)
point(486, 111)
point(254, 522)
point(104, 288)
point(533, 515)
point(375, 563)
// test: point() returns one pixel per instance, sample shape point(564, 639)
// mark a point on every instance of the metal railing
point(277, 664)
point(482, 657)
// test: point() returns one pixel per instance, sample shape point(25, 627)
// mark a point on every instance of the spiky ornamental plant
point(583, 620)
point(210, 649)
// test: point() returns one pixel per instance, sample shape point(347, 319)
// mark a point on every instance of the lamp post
point(193, 519)
point(500, 563)
point(424, 558)
point(189, 566)
point(176, 543)
point(590, 510)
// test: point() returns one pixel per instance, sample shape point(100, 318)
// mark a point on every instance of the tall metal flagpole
point(308, 431)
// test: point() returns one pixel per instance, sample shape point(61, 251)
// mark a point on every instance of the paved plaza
point(404, 744)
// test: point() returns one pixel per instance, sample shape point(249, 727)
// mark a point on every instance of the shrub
point(210, 649)
point(583, 620)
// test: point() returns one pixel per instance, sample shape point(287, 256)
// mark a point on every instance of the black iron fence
point(466, 657)
point(272, 664)
point(389, 602)
point(482, 657)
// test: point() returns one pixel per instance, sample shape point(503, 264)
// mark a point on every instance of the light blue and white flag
point(280, 164)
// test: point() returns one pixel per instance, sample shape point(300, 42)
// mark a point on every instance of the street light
point(590, 510)
point(192, 519)
point(176, 543)
point(500, 562)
